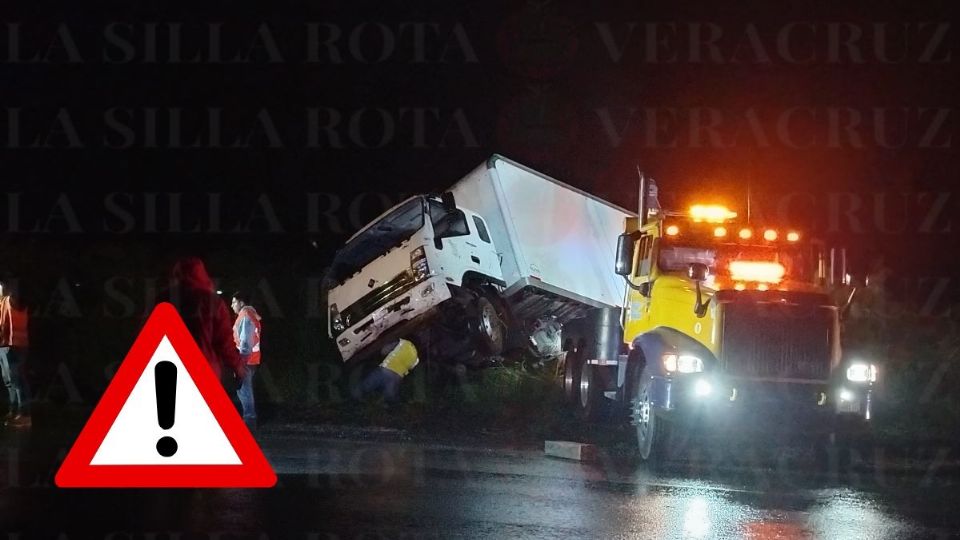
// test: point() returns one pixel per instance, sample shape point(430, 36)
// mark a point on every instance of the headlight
point(682, 363)
point(335, 319)
point(418, 263)
point(862, 372)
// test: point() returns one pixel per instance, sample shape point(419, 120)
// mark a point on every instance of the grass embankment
point(507, 404)
point(917, 400)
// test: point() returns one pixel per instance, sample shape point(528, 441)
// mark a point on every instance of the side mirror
point(624, 263)
point(449, 202)
point(644, 288)
point(697, 272)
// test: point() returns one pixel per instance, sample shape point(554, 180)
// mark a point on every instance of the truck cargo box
point(551, 236)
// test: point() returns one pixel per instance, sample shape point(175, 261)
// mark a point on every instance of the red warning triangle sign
point(135, 439)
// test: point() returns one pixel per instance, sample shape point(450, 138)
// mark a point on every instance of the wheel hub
point(486, 322)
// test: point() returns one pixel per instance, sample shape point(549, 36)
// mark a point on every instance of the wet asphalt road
point(342, 489)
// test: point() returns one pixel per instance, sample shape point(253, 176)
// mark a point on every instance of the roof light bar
point(712, 213)
point(758, 271)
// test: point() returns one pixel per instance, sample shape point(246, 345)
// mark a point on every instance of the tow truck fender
point(652, 346)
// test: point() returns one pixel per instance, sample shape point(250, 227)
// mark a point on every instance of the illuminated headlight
point(674, 363)
point(702, 388)
point(418, 263)
point(845, 395)
point(335, 319)
point(862, 372)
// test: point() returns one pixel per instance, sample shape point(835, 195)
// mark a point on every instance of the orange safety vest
point(247, 312)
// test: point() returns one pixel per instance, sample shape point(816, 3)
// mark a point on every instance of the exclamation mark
point(165, 374)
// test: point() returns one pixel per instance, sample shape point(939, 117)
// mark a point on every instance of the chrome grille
point(378, 297)
point(777, 341)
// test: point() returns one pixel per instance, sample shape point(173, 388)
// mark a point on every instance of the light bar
point(745, 234)
point(759, 271)
point(769, 235)
point(712, 213)
point(720, 232)
point(793, 236)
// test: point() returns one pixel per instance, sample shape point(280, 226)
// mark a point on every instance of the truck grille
point(378, 297)
point(777, 341)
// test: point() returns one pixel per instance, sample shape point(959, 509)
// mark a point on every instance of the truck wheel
point(571, 376)
point(653, 432)
point(590, 392)
point(488, 326)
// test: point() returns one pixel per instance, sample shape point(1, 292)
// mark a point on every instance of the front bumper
point(763, 404)
point(394, 319)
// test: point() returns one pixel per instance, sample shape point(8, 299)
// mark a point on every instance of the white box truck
point(499, 262)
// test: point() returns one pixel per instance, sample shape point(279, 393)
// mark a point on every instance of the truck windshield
point(799, 265)
point(379, 238)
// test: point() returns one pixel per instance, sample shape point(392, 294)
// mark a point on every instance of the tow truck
point(723, 320)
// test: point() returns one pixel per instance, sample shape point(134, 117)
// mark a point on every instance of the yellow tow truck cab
point(725, 324)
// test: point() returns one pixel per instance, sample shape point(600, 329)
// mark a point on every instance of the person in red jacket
point(14, 342)
point(206, 315)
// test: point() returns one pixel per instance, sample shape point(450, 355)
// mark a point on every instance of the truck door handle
point(475, 259)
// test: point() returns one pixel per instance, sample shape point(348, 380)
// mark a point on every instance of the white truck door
point(460, 246)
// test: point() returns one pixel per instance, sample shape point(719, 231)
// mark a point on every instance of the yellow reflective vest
point(401, 359)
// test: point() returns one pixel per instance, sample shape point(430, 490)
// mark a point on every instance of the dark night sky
point(417, 94)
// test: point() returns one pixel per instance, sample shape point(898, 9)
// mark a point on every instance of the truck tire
point(653, 431)
point(572, 365)
point(590, 394)
point(488, 326)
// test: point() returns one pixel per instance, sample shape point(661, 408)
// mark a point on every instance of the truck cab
point(392, 274)
point(725, 319)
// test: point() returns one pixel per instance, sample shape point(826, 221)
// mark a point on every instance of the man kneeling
point(400, 358)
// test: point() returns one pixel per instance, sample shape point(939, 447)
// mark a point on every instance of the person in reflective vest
point(246, 334)
point(400, 358)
